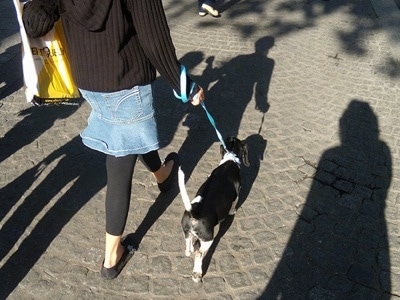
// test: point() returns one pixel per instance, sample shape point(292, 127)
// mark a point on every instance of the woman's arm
point(154, 35)
point(39, 17)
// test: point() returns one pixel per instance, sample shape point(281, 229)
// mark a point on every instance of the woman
point(115, 48)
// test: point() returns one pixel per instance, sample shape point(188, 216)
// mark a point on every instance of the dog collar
point(230, 156)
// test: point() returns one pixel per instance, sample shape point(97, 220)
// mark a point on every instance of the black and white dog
point(215, 200)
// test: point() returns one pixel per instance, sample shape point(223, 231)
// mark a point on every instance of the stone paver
point(313, 86)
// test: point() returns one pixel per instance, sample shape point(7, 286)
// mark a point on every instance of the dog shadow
point(256, 146)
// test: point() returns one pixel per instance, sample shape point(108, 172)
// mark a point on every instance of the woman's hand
point(197, 97)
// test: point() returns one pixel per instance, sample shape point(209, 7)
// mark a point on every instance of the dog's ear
point(228, 143)
point(245, 154)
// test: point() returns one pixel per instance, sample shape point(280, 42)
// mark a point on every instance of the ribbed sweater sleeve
point(154, 37)
point(39, 17)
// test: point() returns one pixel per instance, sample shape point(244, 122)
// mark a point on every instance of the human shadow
point(11, 75)
point(227, 100)
point(36, 121)
point(77, 164)
point(339, 245)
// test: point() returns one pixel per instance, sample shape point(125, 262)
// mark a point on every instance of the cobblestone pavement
point(312, 85)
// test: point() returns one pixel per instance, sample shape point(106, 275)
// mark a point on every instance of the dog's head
point(238, 147)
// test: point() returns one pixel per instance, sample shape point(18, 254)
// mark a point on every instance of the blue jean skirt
point(121, 123)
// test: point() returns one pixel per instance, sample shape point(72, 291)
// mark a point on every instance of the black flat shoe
point(113, 272)
point(167, 184)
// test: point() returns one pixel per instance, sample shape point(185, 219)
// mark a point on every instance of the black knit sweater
point(112, 44)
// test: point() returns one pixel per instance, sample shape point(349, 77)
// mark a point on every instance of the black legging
point(119, 184)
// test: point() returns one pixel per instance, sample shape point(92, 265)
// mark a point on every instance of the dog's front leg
point(198, 260)
point(189, 244)
point(233, 208)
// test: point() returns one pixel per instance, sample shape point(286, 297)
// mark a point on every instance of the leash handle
point(185, 98)
point(183, 80)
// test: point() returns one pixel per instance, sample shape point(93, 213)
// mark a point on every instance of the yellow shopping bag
point(46, 68)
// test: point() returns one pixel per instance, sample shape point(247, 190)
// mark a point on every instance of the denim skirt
point(122, 122)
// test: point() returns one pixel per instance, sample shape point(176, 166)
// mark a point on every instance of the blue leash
point(211, 119)
point(184, 97)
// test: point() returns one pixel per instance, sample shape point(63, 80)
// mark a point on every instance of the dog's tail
point(182, 188)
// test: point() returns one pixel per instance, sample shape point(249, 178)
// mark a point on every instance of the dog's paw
point(188, 253)
point(197, 277)
point(232, 212)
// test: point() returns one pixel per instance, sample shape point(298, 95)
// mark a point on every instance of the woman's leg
point(153, 163)
point(199, 3)
point(119, 184)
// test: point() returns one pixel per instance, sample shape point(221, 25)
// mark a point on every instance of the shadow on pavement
point(257, 146)
point(339, 246)
point(85, 168)
point(36, 121)
point(232, 91)
point(154, 213)
point(11, 77)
